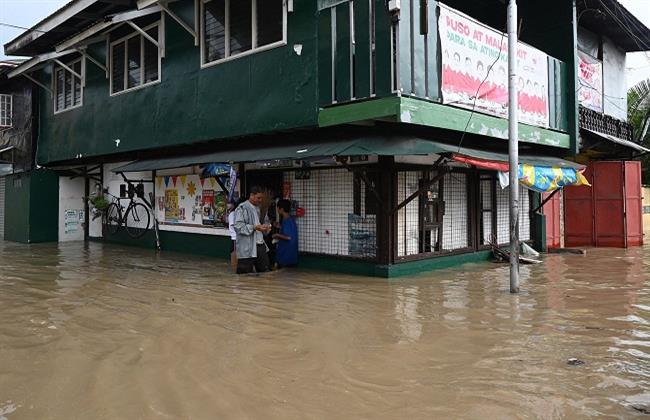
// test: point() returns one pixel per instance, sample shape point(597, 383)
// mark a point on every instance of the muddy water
point(107, 332)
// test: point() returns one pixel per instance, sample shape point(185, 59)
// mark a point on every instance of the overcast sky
point(26, 13)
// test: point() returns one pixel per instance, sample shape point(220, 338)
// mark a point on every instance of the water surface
point(110, 332)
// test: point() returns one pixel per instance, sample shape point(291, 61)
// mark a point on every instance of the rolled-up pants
point(260, 263)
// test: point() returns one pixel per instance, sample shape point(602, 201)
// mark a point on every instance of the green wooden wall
point(32, 207)
point(266, 91)
point(420, 67)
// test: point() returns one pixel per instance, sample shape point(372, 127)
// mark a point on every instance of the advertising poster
point(286, 190)
point(220, 209)
point(71, 220)
point(191, 201)
point(362, 235)
point(590, 77)
point(469, 50)
point(208, 207)
point(171, 205)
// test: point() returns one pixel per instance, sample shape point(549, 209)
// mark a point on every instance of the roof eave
point(18, 44)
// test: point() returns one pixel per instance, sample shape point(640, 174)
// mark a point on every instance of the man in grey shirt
point(250, 246)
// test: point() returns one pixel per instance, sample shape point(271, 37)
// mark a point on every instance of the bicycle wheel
point(137, 220)
point(113, 218)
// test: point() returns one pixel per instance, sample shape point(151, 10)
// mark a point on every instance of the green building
point(383, 121)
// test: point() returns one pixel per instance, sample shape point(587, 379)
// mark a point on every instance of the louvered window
point(68, 89)
point(6, 111)
point(233, 28)
point(135, 61)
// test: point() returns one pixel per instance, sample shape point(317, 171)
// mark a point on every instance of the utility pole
point(513, 146)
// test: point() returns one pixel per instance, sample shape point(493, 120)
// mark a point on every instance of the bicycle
point(135, 218)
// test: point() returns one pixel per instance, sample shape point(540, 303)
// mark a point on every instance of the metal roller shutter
point(2, 207)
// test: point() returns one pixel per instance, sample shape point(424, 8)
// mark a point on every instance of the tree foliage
point(638, 114)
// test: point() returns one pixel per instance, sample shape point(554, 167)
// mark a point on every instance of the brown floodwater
point(110, 332)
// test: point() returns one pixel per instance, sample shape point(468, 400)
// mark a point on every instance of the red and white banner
point(590, 78)
point(473, 53)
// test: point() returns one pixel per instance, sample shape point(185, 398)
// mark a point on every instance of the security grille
point(503, 215)
point(330, 224)
point(412, 238)
point(487, 209)
point(455, 220)
point(407, 217)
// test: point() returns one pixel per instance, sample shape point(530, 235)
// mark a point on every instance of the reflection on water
point(107, 332)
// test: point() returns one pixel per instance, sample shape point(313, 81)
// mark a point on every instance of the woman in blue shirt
point(286, 254)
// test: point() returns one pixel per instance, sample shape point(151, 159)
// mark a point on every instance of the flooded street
point(110, 332)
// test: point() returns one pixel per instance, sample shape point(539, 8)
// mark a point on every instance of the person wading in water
point(250, 246)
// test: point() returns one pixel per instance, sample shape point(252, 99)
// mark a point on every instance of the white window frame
point(7, 99)
point(55, 69)
point(124, 40)
point(254, 48)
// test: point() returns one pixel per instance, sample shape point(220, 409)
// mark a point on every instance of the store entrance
point(271, 182)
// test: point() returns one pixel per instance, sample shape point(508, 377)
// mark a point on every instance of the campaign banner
point(475, 70)
point(590, 78)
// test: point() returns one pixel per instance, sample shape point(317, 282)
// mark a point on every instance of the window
point(135, 61)
point(231, 28)
point(6, 111)
point(68, 88)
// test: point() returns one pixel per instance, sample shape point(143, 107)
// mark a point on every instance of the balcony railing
point(602, 123)
point(367, 51)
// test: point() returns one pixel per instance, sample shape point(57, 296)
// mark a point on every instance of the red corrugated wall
point(552, 212)
point(578, 214)
point(633, 204)
point(609, 204)
point(609, 214)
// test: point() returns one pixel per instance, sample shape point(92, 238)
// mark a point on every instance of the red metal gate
point(553, 219)
point(578, 214)
point(633, 204)
point(609, 213)
point(609, 204)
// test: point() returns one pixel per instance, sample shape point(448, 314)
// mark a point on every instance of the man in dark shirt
point(286, 254)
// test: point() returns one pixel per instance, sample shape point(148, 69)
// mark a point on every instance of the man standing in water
point(286, 253)
point(251, 249)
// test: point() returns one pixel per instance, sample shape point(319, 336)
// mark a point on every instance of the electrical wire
point(634, 37)
point(471, 115)
point(8, 25)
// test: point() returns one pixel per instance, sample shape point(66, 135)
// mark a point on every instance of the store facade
point(356, 111)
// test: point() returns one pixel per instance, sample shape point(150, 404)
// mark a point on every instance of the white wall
point(614, 83)
point(112, 181)
point(71, 209)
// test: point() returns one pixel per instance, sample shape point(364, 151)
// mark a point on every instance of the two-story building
point(610, 213)
point(384, 122)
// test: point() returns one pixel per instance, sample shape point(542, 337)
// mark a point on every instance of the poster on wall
point(189, 200)
point(590, 79)
point(208, 207)
point(475, 70)
point(362, 235)
point(72, 220)
point(171, 205)
point(220, 209)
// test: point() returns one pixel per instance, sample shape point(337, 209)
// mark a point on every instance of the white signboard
point(475, 70)
point(590, 77)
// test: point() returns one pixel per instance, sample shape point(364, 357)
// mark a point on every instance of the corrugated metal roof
point(612, 19)
point(72, 18)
